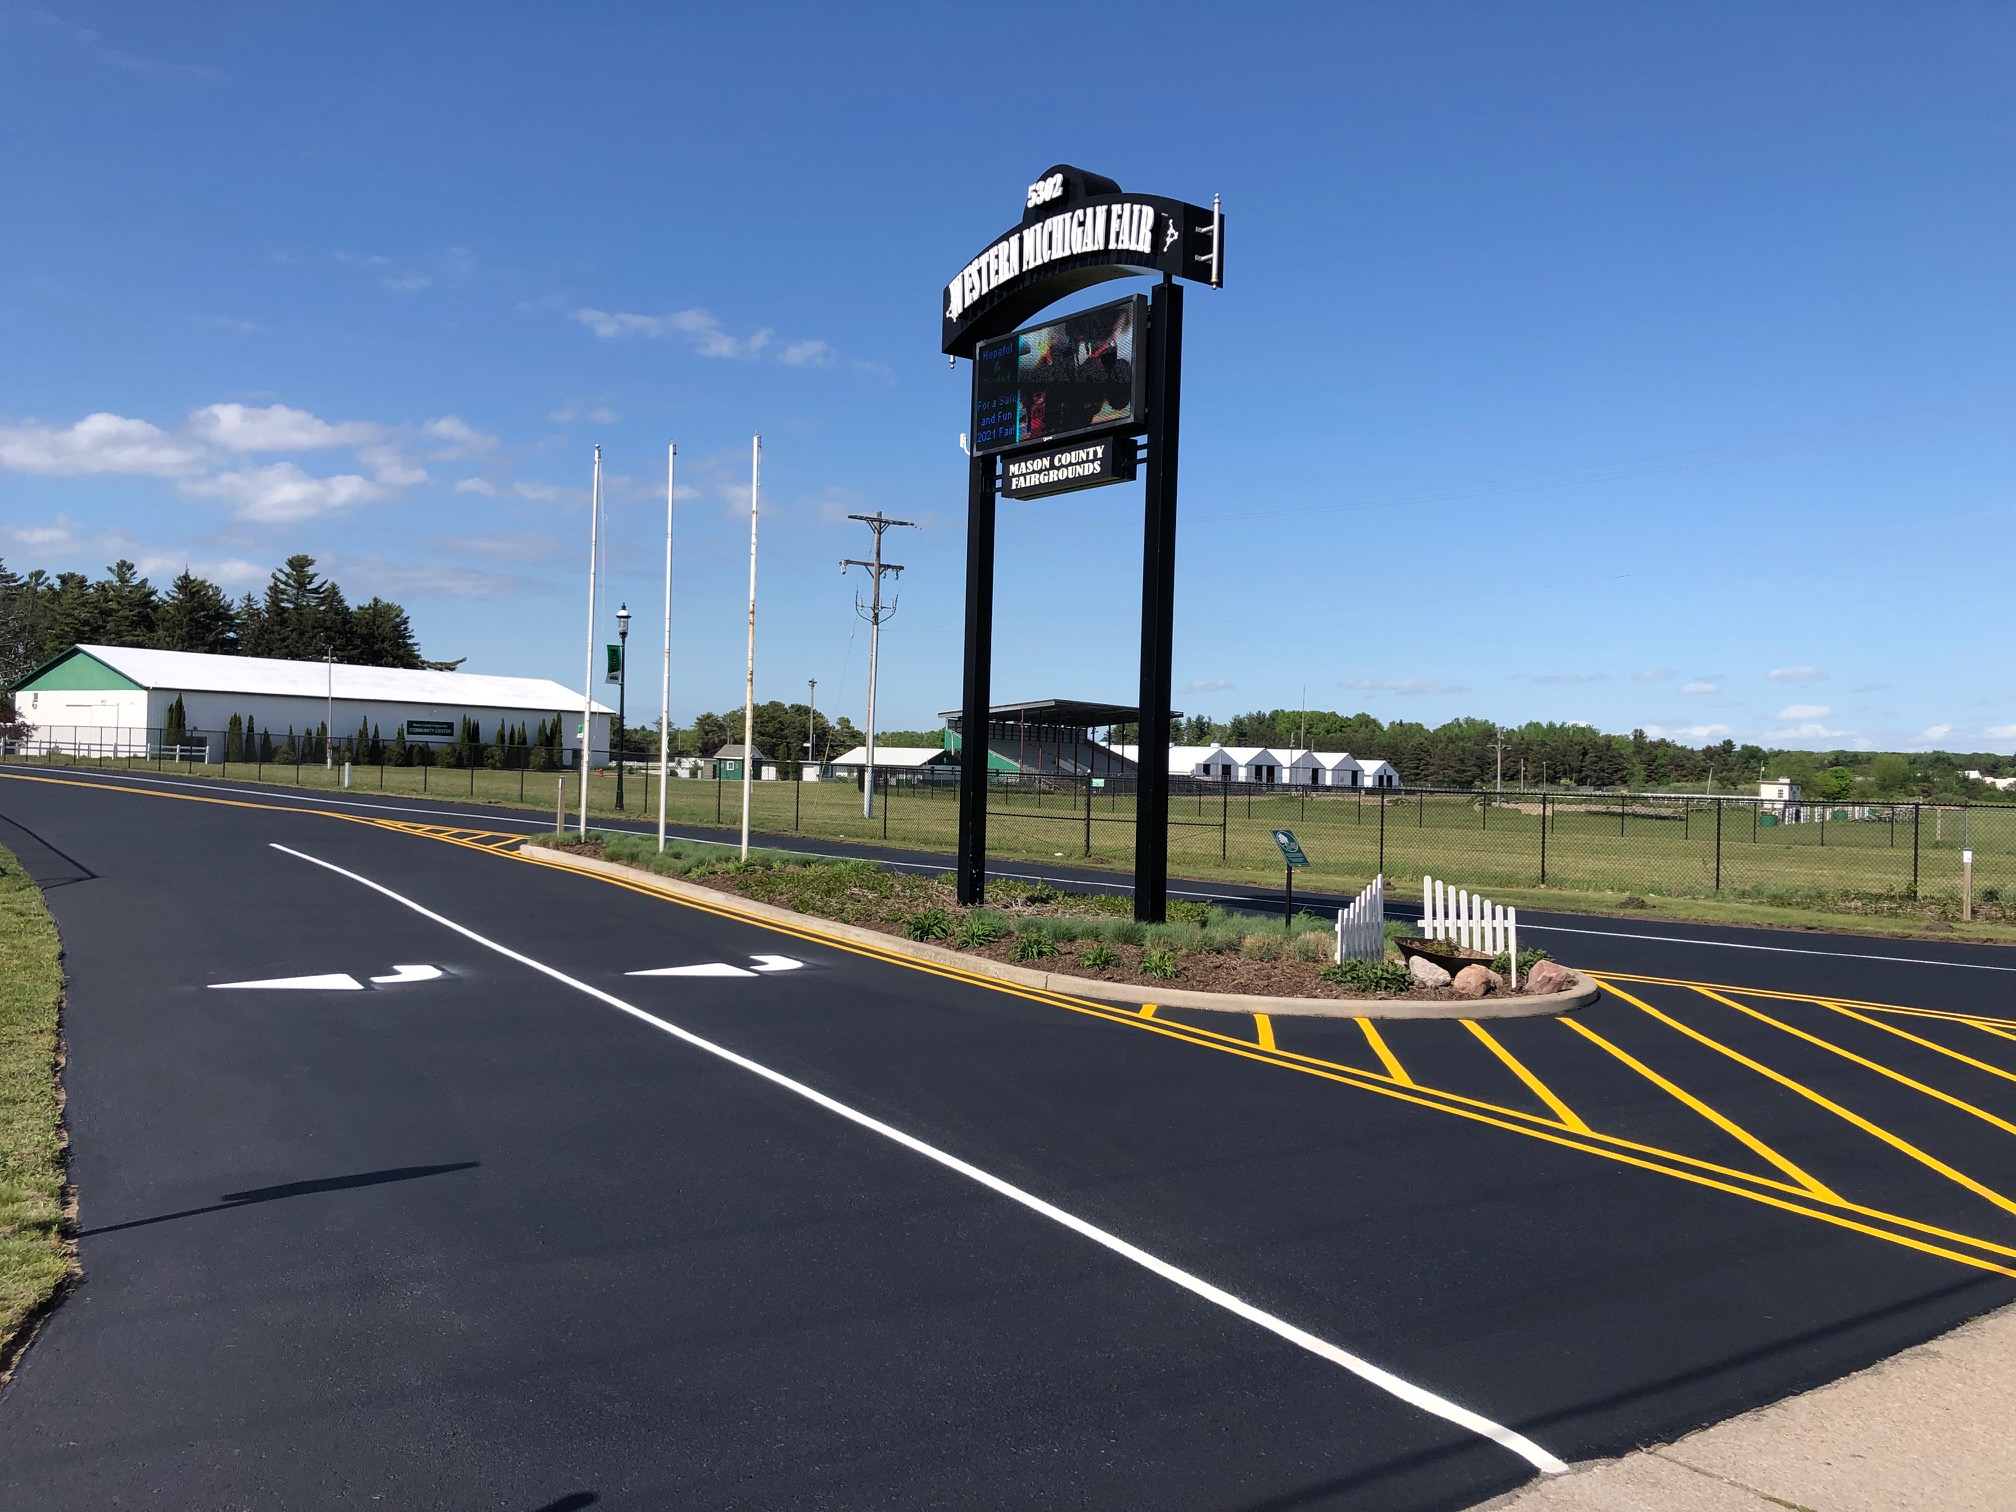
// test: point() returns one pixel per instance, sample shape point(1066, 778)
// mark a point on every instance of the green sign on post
point(1291, 852)
point(615, 664)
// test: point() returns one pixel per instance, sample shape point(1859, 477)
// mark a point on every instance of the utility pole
point(1499, 737)
point(875, 613)
point(329, 719)
point(588, 672)
point(749, 687)
point(811, 722)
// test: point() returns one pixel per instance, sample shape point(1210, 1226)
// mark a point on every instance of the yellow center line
point(1881, 1070)
point(1386, 1057)
point(1727, 1125)
point(1518, 1068)
point(1263, 1031)
point(1931, 1162)
point(1803, 997)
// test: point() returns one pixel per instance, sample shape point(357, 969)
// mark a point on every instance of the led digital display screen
point(1067, 377)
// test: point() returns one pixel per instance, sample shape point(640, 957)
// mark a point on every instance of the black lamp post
point(622, 689)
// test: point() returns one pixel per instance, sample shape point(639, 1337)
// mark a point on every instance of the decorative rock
point(1475, 981)
point(1426, 973)
point(1549, 976)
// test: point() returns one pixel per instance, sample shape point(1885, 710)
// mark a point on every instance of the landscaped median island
point(1088, 937)
point(34, 1249)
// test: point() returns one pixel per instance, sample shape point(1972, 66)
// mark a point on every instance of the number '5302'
point(1045, 190)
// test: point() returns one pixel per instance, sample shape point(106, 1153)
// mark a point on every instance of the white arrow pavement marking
point(410, 974)
point(1197, 1286)
point(336, 981)
point(706, 969)
point(775, 963)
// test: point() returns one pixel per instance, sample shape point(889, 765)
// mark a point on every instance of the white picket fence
point(1463, 918)
point(1361, 925)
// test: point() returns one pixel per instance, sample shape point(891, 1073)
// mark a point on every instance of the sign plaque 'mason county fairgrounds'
point(1110, 459)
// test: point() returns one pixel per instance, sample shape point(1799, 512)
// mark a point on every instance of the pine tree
point(234, 739)
point(174, 723)
point(126, 606)
point(381, 635)
point(196, 616)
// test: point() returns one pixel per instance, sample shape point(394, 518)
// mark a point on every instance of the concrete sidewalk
point(1927, 1430)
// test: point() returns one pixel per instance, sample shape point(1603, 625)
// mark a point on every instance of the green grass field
point(1663, 849)
point(34, 1258)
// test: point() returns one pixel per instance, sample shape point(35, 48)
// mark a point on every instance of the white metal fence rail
point(1361, 925)
point(1465, 919)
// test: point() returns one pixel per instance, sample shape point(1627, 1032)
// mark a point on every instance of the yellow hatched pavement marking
point(1930, 1162)
point(1263, 1031)
point(1539, 1088)
point(1386, 1057)
point(1881, 1070)
point(1805, 997)
point(1933, 1045)
point(1727, 1125)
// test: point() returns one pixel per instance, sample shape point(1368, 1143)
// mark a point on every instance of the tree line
point(300, 617)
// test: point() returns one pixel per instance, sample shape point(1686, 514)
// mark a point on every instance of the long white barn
point(1290, 766)
point(117, 699)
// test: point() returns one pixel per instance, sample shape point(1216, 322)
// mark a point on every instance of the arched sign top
point(1077, 229)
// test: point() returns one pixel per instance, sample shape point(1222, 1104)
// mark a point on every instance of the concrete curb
point(1584, 992)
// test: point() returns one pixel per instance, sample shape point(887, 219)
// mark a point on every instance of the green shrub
point(979, 929)
point(1161, 962)
point(1031, 947)
point(1528, 959)
point(1100, 958)
point(1190, 913)
point(1262, 947)
point(1312, 947)
point(928, 924)
point(1367, 976)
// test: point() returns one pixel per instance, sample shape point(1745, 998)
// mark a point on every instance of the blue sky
point(1644, 365)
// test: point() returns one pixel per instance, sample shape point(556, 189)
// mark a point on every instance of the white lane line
point(1081, 882)
point(1839, 955)
point(1323, 1349)
point(410, 974)
point(704, 969)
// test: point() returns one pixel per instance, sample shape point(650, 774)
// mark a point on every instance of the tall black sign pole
point(1158, 603)
point(973, 744)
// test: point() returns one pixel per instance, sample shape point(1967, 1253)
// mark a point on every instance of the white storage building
point(116, 699)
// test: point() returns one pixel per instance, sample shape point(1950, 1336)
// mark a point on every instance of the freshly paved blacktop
point(495, 1240)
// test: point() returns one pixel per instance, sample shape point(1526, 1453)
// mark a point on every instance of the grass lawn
point(34, 1256)
point(1690, 860)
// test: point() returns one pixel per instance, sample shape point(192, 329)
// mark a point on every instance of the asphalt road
point(538, 1234)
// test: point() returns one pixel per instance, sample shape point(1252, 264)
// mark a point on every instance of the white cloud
point(2001, 732)
point(1701, 685)
point(1405, 686)
point(1208, 685)
point(1804, 711)
point(1656, 674)
point(99, 443)
point(1935, 732)
point(58, 532)
point(585, 409)
point(504, 546)
point(806, 354)
point(277, 427)
point(375, 575)
point(481, 486)
point(1796, 674)
point(698, 326)
point(1809, 731)
point(456, 437)
point(1701, 732)
point(391, 466)
point(283, 492)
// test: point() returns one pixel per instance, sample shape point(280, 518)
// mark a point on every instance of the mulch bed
point(1228, 971)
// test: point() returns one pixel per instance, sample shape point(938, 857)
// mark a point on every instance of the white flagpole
point(588, 674)
point(665, 689)
point(749, 687)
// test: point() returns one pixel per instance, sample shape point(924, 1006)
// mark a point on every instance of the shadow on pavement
point(300, 1189)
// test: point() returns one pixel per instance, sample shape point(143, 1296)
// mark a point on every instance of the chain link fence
point(1845, 857)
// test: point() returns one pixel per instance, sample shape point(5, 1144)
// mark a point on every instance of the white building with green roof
point(115, 700)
